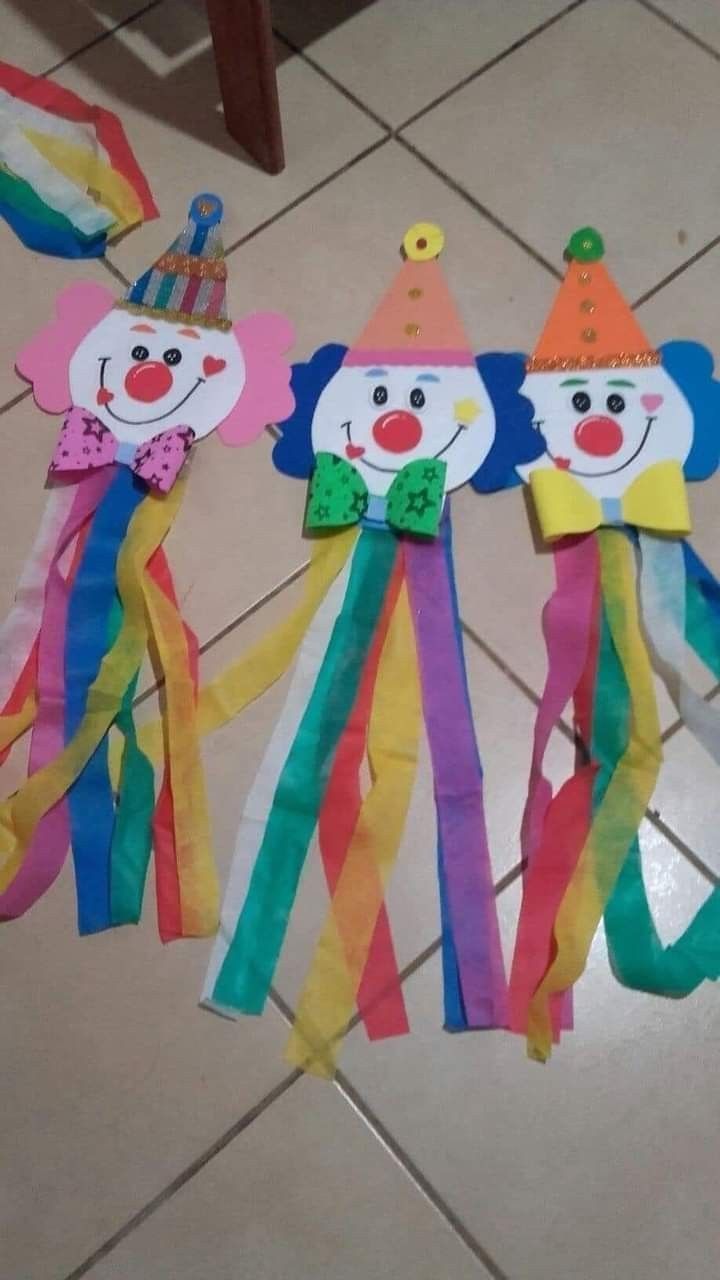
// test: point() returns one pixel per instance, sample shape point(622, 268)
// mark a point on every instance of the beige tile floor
point(145, 1140)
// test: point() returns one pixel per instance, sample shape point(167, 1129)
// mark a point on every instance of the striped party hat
point(187, 283)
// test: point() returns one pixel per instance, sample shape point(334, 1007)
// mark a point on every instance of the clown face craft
point(407, 414)
point(384, 429)
point(138, 381)
point(623, 426)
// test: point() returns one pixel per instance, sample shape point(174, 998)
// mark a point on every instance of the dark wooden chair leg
point(245, 56)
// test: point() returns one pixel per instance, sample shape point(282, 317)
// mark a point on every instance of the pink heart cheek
point(651, 402)
point(211, 366)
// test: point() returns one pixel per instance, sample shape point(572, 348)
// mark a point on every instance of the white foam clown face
point(606, 426)
point(380, 418)
point(142, 375)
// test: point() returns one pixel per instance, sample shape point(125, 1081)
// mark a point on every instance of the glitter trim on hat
point(187, 283)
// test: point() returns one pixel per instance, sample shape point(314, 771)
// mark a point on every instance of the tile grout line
point(330, 79)
point(185, 1176)
point(681, 30)
point(21, 395)
point(416, 1176)
point(653, 816)
point(487, 66)
point(305, 195)
point(102, 36)
point(677, 271)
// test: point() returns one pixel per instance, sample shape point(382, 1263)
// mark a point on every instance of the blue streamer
point(90, 798)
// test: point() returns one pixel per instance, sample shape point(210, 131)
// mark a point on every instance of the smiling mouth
point(357, 457)
point(593, 475)
point(144, 422)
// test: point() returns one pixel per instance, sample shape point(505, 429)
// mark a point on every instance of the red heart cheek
point(211, 365)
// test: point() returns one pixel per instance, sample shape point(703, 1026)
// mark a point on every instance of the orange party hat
point(590, 325)
point(416, 322)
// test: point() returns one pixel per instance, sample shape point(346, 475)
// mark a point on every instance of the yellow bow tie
point(655, 500)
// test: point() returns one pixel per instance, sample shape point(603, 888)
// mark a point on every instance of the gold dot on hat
point(588, 335)
point(423, 241)
point(587, 305)
point(585, 277)
point(206, 206)
point(413, 330)
point(415, 294)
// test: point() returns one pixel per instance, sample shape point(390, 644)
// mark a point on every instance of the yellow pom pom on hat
point(590, 326)
point(416, 321)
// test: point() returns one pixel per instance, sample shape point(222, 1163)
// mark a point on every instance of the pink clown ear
point(263, 338)
point(45, 359)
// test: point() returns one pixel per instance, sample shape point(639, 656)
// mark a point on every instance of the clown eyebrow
point(426, 377)
point(143, 328)
point(189, 333)
point(619, 382)
point(376, 373)
point(574, 382)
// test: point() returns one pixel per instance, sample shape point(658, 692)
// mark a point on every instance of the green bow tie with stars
point(339, 496)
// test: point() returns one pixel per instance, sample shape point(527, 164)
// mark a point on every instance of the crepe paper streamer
point(380, 1000)
point(344, 947)
point(135, 364)
point(384, 431)
point(619, 814)
point(313, 641)
point(567, 622)
point(244, 980)
point(70, 179)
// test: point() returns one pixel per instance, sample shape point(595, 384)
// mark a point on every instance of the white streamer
point(260, 797)
point(662, 599)
point(23, 159)
point(20, 629)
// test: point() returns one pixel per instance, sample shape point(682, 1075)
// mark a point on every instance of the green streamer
point(247, 971)
point(638, 957)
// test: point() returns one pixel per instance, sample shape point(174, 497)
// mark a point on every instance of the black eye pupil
point(581, 401)
point(380, 395)
point(417, 398)
point(139, 353)
point(172, 355)
point(615, 403)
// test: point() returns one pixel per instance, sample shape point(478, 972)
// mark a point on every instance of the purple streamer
point(458, 783)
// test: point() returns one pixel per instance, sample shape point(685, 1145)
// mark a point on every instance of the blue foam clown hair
point(516, 440)
point(293, 453)
point(691, 366)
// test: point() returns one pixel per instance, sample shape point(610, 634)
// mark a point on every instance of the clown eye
point(615, 403)
point(172, 355)
point(139, 353)
point(581, 401)
point(417, 398)
point(380, 395)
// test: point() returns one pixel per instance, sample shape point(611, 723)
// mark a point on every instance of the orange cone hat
point(416, 322)
point(590, 325)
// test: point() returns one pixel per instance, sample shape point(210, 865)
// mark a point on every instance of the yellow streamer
point(199, 889)
point(15, 724)
point(263, 664)
point(21, 813)
point(89, 172)
point(624, 803)
point(331, 988)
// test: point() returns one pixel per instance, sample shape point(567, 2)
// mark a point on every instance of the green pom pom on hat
point(585, 245)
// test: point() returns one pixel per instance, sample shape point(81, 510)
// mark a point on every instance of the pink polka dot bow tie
point(85, 444)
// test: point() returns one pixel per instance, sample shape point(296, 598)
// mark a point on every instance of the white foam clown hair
point(409, 388)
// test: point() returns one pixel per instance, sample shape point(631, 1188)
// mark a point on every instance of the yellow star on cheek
point(466, 411)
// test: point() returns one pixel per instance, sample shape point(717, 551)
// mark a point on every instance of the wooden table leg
point(245, 56)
